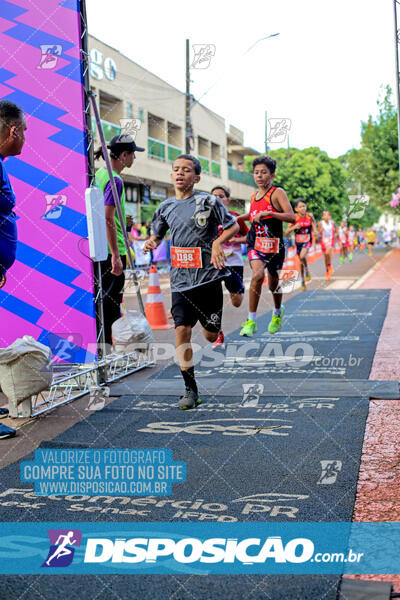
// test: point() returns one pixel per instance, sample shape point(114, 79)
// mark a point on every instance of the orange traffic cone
point(155, 309)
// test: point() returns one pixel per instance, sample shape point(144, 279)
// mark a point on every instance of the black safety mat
point(296, 459)
point(177, 587)
point(276, 386)
point(326, 333)
point(270, 450)
point(252, 458)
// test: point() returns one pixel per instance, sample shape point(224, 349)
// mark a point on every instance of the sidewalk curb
point(370, 271)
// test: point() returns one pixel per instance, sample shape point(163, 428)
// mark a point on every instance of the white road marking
point(340, 284)
point(305, 333)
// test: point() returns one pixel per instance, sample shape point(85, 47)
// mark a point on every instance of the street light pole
point(188, 124)
point(266, 132)
point(260, 40)
point(396, 42)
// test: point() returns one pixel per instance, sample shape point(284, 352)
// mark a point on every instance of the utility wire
point(239, 57)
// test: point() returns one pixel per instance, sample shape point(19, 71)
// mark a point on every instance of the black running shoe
point(3, 413)
point(6, 432)
point(189, 400)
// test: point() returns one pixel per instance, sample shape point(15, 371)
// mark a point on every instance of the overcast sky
point(324, 71)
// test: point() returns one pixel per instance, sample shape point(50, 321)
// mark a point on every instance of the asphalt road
point(250, 457)
point(345, 276)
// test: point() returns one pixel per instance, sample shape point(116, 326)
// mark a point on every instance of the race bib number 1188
point(186, 258)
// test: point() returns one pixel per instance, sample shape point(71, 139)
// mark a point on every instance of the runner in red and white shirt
point(269, 208)
point(326, 230)
point(305, 230)
point(351, 241)
point(233, 256)
point(343, 241)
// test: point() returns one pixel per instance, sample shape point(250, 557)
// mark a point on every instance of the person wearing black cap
point(122, 154)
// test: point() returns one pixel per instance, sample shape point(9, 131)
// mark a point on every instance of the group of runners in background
point(206, 252)
point(206, 249)
point(328, 233)
point(206, 242)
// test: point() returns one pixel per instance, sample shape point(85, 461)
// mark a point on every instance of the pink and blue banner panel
point(49, 292)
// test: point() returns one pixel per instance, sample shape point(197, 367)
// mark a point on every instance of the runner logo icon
point(49, 56)
point(61, 552)
point(97, 397)
point(251, 393)
point(54, 206)
point(203, 54)
point(330, 471)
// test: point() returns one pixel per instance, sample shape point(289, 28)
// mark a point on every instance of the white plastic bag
point(131, 332)
point(25, 369)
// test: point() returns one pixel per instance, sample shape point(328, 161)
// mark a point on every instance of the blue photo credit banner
point(193, 548)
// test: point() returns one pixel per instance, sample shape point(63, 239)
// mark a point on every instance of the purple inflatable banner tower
point(49, 292)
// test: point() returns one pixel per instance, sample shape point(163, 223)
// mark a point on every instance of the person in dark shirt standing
point(12, 139)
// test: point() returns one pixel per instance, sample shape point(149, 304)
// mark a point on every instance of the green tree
point(312, 175)
point(374, 168)
point(369, 218)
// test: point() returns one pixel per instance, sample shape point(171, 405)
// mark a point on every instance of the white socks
point(253, 316)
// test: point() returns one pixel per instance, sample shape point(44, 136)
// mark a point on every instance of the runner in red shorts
point(343, 241)
point(326, 230)
point(304, 228)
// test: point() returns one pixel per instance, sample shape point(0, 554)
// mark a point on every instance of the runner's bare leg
point(273, 283)
point(257, 278)
point(328, 257)
point(184, 352)
point(210, 336)
point(303, 262)
point(236, 299)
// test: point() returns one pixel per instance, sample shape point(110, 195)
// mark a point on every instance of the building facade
point(134, 99)
point(389, 221)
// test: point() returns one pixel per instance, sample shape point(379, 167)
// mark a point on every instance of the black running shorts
point(299, 247)
point(234, 282)
point(203, 303)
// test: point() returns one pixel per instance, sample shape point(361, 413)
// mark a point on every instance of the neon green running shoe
point(276, 322)
point(248, 328)
point(189, 400)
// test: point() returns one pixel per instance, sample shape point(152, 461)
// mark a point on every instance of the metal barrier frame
point(75, 381)
point(72, 381)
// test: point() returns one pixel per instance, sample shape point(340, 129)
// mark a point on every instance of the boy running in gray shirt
point(197, 262)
